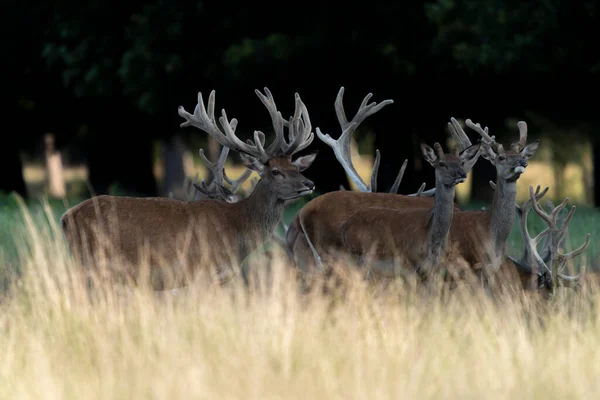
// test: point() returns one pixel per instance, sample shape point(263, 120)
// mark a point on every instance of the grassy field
point(58, 341)
point(273, 342)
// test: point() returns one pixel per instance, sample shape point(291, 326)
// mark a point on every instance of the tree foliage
point(140, 60)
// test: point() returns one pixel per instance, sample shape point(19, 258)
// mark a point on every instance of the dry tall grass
point(57, 340)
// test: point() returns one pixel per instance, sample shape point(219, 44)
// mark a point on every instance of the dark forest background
point(106, 78)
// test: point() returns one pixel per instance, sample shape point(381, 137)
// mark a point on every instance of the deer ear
point(428, 154)
point(470, 155)
point(487, 152)
point(529, 150)
point(251, 162)
point(305, 161)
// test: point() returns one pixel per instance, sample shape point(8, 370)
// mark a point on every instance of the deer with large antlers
point(314, 235)
point(544, 269)
point(412, 239)
point(182, 239)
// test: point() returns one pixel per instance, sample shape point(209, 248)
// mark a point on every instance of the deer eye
point(501, 158)
point(275, 172)
point(442, 164)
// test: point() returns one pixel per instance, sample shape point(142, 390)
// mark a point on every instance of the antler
point(458, 134)
point(528, 262)
point(484, 133)
point(216, 184)
point(546, 251)
point(299, 128)
point(556, 262)
point(517, 146)
point(558, 259)
point(341, 146)
point(213, 186)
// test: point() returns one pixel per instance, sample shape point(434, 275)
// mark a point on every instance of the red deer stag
point(183, 239)
point(314, 233)
point(371, 233)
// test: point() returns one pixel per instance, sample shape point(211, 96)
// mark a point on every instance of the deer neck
point(440, 221)
point(502, 213)
point(263, 210)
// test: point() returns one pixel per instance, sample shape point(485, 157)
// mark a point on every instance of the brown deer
point(314, 233)
point(481, 236)
point(416, 236)
point(182, 239)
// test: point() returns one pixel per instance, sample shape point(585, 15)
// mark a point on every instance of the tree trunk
point(173, 164)
point(11, 164)
point(54, 169)
point(12, 170)
point(596, 172)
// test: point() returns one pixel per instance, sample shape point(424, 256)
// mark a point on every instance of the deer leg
point(317, 257)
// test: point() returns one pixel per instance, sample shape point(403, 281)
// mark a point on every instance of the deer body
point(214, 233)
point(323, 216)
point(184, 238)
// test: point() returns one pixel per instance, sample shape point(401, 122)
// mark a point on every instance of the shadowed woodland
point(105, 80)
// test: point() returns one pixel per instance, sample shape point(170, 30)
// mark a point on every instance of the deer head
point(279, 173)
point(510, 164)
point(450, 169)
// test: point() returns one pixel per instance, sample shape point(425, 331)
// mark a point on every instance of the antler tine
point(569, 280)
point(438, 149)
point(420, 191)
point(522, 134)
point(458, 134)
point(398, 180)
point(558, 209)
point(484, 133)
point(576, 252)
point(217, 168)
point(539, 211)
point(375, 171)
point(236, 184)
point(423, 193)
point(562, 232)
point(204, 120)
